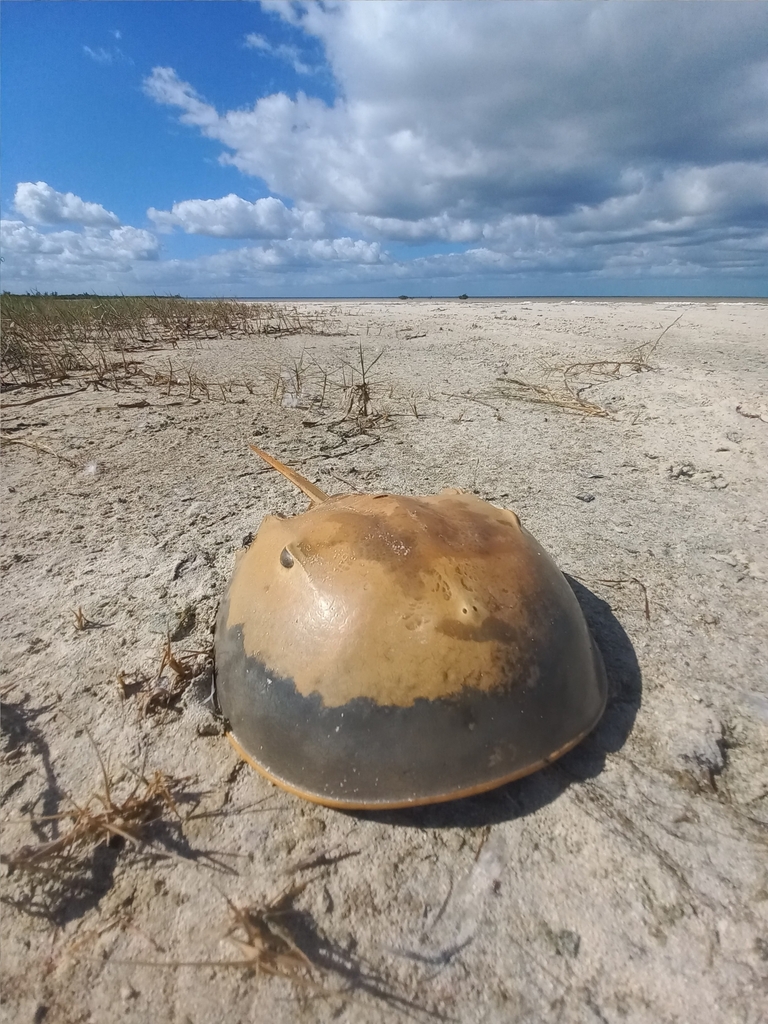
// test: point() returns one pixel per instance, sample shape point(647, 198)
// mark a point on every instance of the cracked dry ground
point(627, 882)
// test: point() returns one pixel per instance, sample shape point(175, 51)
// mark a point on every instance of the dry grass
point(564, 386)
point(163, 688)
point(94, 340)
point(71, 865)
point(563, 396)
point(36, 446)
point(347, 388)
point(101, 819)
point(263, 936)
point(280, 941)
point(81, 620)
point(637, 582)
point(173, 677)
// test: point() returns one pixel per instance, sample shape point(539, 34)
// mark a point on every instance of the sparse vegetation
point(303, 383)
point(564, 386)
point(101, 819)
point(264, 941)
point(99, 341)
point(563, 395)
point(163, 688)
point(5, 438)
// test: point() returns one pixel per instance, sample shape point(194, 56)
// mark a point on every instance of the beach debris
point(623, 582)
point(564, 395)
point(277, 939)
point(709, 480)
point(564, 386)
point(383, 650)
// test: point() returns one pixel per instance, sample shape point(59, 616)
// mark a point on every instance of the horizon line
point(388, 298)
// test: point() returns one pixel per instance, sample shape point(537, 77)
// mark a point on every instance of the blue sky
point(379, 148)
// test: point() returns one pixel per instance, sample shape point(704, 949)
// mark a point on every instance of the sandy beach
point(628, 882)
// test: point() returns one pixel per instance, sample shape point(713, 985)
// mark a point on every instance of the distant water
point(574, 299)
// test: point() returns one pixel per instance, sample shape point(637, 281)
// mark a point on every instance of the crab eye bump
point(286, 558)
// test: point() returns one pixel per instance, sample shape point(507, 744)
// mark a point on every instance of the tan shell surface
point(397, 598)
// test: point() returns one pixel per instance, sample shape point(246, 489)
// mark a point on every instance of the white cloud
point(127, 259)
point(532, 248)
point(249, 264)
point(426, 229)
point(688, 207)
point(100, 55)
point(580, 138)
point(94, 259)
point(592, 141)
point(233, 217)
point(468, 109)
point(164, 86)
point(42, 204)
point(257, 42)
point(92, 245)
point(108, 55)
point(283, 51)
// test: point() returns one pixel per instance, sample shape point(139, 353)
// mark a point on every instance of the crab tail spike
point(315, 495)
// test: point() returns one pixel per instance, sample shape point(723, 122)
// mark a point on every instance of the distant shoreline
point(500, 298)
point(690, 299)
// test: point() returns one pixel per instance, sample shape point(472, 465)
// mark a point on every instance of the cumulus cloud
point(127, 259)
point(521, 108)
point(165, 86)
point(537, 131)
point(251, 263)
point(92, 259)
point(233, 217)
point(41, 204)
point(588, 140)
point(531, 249)
point(121, 245)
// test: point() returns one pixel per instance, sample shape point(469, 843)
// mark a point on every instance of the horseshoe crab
point(381, 650)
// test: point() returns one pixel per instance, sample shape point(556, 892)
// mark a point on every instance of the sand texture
point(628, 882)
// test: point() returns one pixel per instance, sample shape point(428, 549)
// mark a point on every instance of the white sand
point(628, 882)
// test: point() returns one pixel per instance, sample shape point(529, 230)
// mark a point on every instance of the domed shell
point(387, 651)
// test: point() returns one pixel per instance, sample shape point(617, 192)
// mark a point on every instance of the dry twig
point(565, 397)
point(631, 579)
point(36, 446)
